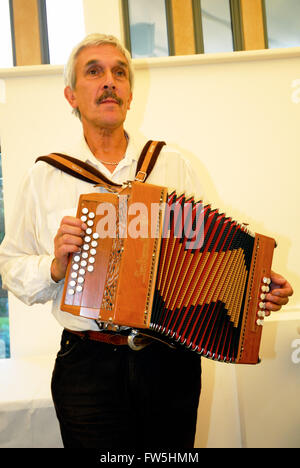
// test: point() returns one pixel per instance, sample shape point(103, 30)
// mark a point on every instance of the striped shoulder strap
point(148, 159)
point(88, 173)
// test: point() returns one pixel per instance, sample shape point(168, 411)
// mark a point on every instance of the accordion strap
point(88, 173)
point(78, 169)
point(148, 159)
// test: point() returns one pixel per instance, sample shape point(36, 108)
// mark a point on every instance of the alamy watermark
point(296, 353)
point(184, 221)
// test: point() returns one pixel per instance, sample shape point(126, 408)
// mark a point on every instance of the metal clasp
point(136, 341)
point(141, 176)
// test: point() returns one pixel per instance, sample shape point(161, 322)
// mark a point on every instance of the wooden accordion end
point(171, 268)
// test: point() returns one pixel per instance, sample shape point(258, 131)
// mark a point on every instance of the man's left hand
point(280, 291)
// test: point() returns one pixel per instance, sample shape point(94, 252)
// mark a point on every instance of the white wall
point(236, 116)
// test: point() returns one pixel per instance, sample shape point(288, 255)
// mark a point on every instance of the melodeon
point(173, 269)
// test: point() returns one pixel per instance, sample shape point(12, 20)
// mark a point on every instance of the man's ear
point(129, 102)
point(70, 97)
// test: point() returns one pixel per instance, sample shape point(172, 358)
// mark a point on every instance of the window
point(65, 25)
point(283, 23)
point(147, 34)
point(216, 26)
point(6, 53)
point(154, 29)
point(4, 321)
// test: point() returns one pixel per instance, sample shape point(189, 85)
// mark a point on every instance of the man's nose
point(109, 82)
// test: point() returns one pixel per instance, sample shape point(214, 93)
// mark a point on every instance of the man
point(105, 394)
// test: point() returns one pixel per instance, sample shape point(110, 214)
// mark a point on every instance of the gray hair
point(90, 41)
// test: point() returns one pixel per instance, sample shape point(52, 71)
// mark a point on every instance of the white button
point(80, 280)
point(72, 283)
point(263, 297)
point(87, 239)
point(71, 292)
point(85, 255)
point(91, 215)
point(91, 260)
point(262, 305)
point(89, 231)
point(95, 235)
point(84, 211)
point(259, 322)
point(83, 263)
point(79, 289)
point(90, 268)
point(83, 219)
point(90, 223)
point(75, 267)
point(74, 275)
point(94, 244)
point(76, 258)
point(93, 251)
point(86, 247)
point(261, 313)
point(82, 271)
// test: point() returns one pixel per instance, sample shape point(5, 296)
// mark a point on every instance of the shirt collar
point(81, 150)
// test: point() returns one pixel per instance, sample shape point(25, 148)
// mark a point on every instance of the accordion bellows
point(168, 265)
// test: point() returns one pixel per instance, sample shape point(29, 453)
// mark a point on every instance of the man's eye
point(120, 72)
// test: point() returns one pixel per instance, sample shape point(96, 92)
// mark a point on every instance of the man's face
point(102, 91)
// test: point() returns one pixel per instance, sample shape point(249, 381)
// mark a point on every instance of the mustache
point(109, 94)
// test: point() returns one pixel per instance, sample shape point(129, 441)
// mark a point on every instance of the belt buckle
point(137, 341)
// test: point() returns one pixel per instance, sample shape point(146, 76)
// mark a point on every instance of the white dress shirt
point(48, 194)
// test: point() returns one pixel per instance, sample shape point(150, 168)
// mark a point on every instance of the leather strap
point(148, 159)
point(77, 168)
point(88, 173)
point(103, 337)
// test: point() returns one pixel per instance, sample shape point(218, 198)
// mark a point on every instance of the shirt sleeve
point(25, 263)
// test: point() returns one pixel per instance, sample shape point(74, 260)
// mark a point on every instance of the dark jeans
point(109, 396)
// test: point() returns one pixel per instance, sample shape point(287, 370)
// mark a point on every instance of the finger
point(70, 239)
point(275, 306)
point(280, 299)
point(76, 229)
point(271, 307)
point(71, 220)
point(280, 293)
point(284, 290)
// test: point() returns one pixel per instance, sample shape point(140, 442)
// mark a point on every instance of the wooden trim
point(170, 32)
point(253, 24)
point(183, 27)
point(27, 32)
point(126, 24)
point(236, 24)
point(198, 30)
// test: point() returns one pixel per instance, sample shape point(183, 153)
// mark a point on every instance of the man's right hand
point(68, 240)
